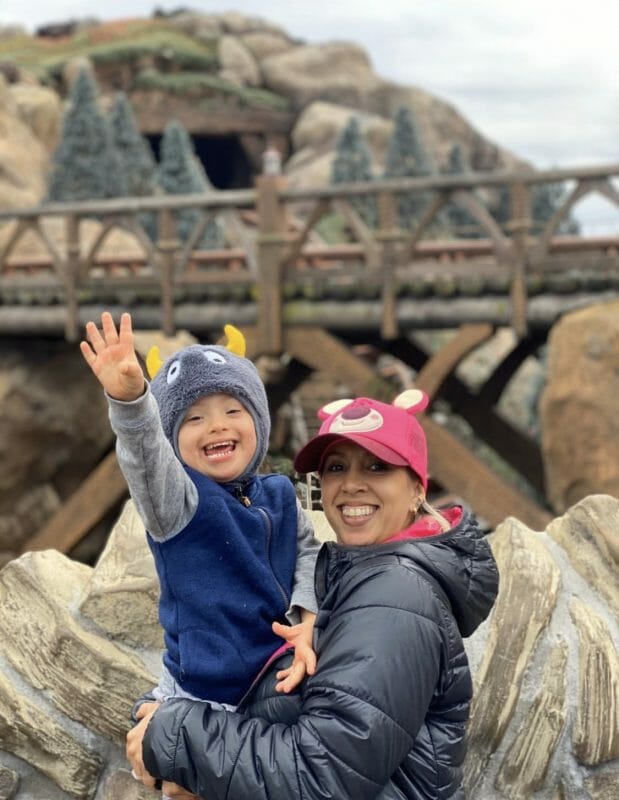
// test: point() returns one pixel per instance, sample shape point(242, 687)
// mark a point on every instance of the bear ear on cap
point(332, 408)
point(413, 400)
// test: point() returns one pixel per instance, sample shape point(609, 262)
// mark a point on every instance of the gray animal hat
point(200, 370)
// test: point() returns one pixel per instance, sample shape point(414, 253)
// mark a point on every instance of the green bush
point(197, 83)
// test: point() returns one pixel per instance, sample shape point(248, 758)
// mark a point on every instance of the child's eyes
point(232, 411)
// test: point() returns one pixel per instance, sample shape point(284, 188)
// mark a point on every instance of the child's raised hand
point(304, 661)
point(110, 354)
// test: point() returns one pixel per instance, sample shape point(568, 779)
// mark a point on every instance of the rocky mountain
point(236, 83)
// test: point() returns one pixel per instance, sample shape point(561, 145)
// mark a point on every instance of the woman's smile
point(357, 515)
point(365, 499)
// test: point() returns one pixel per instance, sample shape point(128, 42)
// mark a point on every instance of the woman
point(384, 715)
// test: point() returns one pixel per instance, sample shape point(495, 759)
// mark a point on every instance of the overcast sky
point(540, 77)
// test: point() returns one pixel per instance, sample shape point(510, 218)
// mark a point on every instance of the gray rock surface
point(77, 645)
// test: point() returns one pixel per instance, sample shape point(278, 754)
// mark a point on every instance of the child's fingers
point(283, 673)
point(94, 337)
point(310, 662)
point(285, 631)
point(109, 328)
point(88, 353)
point(125, 333)
point(297, 673)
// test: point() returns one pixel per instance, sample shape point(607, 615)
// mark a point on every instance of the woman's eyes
point(373, 466)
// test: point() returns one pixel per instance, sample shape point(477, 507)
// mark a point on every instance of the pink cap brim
point(310, 457)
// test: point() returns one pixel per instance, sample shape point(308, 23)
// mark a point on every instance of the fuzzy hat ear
point(236, 340)
point(153, 361)
point(413, 400)
point(332, 408)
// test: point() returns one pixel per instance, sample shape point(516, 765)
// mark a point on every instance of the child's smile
point(217, 437)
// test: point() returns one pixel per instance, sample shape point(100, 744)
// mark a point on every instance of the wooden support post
point(71, 277)
point(167, 247)
point(519, 226)
point(388, 235)
point(271, 253)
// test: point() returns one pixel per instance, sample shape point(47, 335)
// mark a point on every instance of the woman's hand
point(304, 661)
point(134, 744)
point(110, 354)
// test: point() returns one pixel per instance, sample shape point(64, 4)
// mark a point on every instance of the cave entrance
point(223, 157)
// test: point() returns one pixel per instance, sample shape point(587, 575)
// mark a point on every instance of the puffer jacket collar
point(459, 561)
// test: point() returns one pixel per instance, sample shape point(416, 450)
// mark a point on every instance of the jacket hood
point(459, 562)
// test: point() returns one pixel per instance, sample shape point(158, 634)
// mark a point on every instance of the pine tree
point(85, 165)
point(352, 163)
point(545, 200)
point(407, 157)
point(136, 156)
point(457, 218)
point(180, 172)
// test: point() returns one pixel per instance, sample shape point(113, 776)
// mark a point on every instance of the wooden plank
point(434, 373)
point(102, 489)
point(318, 349)
point(461, 473)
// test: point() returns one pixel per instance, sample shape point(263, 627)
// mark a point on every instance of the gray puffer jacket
point(383, 717)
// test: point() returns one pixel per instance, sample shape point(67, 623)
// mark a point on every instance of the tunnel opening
point(223, 157)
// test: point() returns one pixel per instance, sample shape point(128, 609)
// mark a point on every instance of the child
point(234, 551)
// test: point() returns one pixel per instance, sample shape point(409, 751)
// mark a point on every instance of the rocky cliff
point(235, 82)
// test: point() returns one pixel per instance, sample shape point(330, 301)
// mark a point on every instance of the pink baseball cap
point(389, 431)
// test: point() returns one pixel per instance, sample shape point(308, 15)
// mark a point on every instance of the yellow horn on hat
point(236, 340)
point(153, 361)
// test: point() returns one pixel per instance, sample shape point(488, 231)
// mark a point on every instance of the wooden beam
point(436, 371)
point(461, 473)
point(456, 469)
point(97, 495)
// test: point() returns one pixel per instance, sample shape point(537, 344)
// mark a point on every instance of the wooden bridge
point(304, 303)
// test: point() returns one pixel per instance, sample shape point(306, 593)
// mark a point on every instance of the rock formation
point(251, 80)
point(578, 410)
point(79, 643)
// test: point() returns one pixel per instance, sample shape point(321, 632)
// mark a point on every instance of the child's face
point(217, 437)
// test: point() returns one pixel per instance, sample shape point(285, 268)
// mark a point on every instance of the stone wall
point(78, 644)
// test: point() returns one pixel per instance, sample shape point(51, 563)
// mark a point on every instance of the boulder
point(41, 109)
point(545, 719)
point(335, 72)
point(78, 646)
point(578, 409)
point(262, 44)
point(53, 431)
point(24, 160)
point(235, 59)
point(320, 124)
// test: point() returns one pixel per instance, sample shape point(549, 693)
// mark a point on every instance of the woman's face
point(366, 500)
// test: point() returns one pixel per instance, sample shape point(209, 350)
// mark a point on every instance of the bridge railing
point(270, 238)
